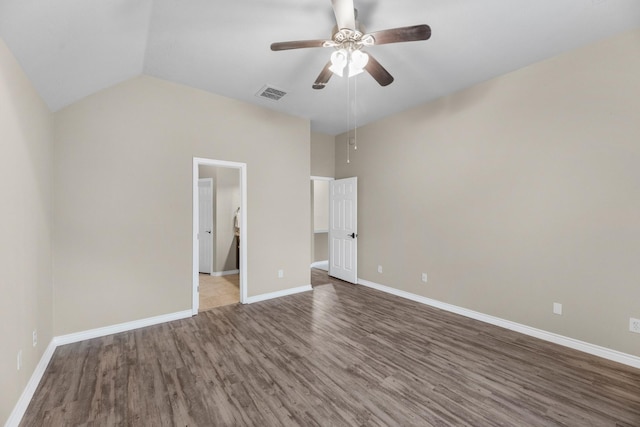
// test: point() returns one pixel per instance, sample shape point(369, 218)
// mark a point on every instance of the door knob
point(209, 231)
point(352, 235)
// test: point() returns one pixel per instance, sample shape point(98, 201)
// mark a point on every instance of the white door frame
point(197, 161)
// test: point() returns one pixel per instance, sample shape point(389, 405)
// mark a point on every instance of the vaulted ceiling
point(73, 48)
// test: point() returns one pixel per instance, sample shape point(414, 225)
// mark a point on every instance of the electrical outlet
point(557, 308)
point(19, 360)
point(280, 274)
point(379, 269)
point(424, 277)
point(634, 325)
point(35, 337)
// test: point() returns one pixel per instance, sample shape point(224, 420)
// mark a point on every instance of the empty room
point(314, 212)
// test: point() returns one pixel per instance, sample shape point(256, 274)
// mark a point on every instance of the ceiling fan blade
point(323, 77)
point(378, 72)
point(345, 14)
point(297, 44)
point(402, 34)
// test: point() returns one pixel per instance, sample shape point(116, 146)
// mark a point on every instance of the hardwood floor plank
point(342, 355)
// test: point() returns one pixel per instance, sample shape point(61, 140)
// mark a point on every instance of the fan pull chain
point(352, 106)
point(355, 113)
point(348, 119)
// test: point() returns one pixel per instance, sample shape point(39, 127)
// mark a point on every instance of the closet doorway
point(219, 274)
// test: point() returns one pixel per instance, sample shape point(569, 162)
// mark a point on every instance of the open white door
point(205, 225)
point(343, 229)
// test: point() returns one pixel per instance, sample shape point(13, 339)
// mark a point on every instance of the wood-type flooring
point(340, 355)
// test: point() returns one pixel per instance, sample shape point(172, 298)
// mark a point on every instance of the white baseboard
point(322, 265)
point(32, 385)
point(225, 273)
point(596, 350)
point(27, 393)
point(278, 294)
point(121, 327)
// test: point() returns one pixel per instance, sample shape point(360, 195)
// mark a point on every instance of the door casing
point(242, 167)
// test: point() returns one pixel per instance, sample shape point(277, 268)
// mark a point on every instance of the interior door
point(343, 229)
point(205, 225)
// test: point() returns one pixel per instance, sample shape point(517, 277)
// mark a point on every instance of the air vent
point(270, 92)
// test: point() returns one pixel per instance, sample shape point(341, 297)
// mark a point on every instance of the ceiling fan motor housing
point(351, 40)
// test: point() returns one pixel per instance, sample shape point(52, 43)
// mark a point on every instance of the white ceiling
point(73, 48)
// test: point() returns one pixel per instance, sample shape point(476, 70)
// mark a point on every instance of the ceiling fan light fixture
point(339, 60)
point(357, 62)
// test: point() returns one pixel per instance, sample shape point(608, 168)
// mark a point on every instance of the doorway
point(320, 222)
point(228, 266)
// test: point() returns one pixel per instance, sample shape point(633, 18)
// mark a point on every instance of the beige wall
point(322, 164)
point(320, 220)
point(26, 144)
point(321, 247)
point(515, 194)
point(322, 154)
point(320, 205)
point(122, 179)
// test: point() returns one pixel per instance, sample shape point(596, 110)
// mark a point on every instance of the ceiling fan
point(348, 39)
